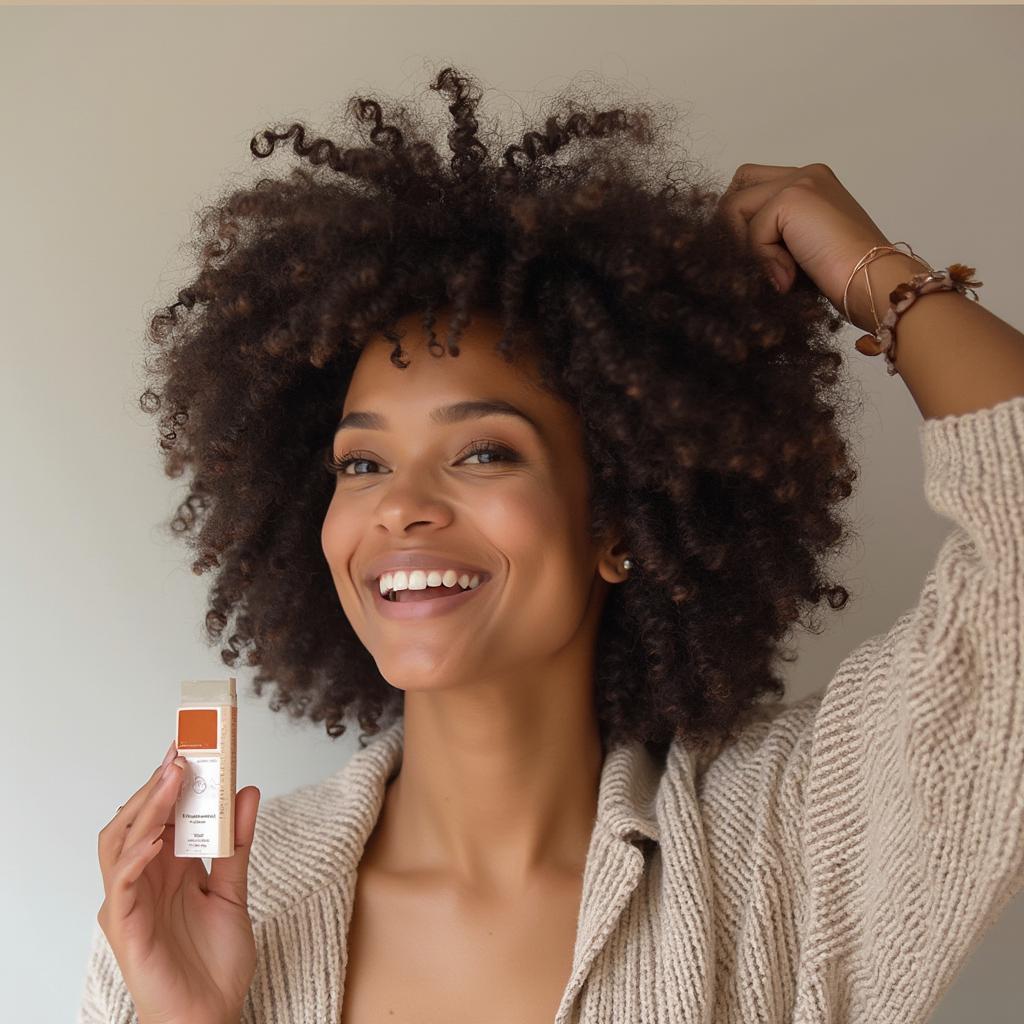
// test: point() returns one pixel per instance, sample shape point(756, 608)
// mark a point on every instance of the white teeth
point(420, 579)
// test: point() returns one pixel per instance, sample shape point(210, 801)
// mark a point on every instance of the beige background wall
point(119, 123)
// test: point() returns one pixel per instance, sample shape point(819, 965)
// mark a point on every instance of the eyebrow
point(445, 415)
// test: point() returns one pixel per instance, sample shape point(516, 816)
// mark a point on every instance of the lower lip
point(424, 609)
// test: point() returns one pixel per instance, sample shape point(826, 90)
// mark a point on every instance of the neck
point(489, 797)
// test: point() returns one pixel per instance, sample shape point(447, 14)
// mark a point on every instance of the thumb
point(229, 875)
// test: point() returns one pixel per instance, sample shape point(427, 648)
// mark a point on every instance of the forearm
point(952, 353)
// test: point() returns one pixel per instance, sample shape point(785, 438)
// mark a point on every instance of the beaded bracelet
point(955, 277)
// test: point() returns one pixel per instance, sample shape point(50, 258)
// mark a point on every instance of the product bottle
point(204, 812)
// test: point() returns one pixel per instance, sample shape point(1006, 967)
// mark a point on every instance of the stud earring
point(627, 564)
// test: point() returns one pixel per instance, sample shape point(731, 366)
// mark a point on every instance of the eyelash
point(338, 465)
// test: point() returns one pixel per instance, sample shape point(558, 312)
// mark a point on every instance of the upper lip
point(407, 560)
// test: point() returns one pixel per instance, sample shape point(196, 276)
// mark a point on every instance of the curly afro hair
point(709, 402)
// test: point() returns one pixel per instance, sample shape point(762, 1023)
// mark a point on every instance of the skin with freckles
point(478, 853)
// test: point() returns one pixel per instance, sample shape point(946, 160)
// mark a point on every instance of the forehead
point(478, 370)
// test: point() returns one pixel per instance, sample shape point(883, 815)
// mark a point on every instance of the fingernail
point(171, 751)
point(178, 762)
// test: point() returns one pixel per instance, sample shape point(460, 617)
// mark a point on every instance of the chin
point(419, 670)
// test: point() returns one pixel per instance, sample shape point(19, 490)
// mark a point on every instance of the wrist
point(886, 272)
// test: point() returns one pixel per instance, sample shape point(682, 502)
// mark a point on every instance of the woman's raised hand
point(182, 936)
point(803, 217)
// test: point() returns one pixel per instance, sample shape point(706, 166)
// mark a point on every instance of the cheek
point(542, 515)
point(535, 530)
point(338, 537)
point(541, 537)
point(515, 517)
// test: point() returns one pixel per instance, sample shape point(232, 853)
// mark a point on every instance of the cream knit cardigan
point(837, 863)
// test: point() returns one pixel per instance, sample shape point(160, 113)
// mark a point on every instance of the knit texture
point(838, 862)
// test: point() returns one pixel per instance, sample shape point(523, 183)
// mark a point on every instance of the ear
point(609, 564)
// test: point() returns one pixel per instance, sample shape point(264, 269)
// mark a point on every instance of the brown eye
point(491, 448)
point(498, 452)
point(339, 464)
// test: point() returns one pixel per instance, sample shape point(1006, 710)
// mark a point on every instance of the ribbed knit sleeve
point(105, 998)
point(860, 840)
point(913, 820)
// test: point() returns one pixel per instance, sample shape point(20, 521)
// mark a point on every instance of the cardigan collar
point(336, 816)
point(626, 792)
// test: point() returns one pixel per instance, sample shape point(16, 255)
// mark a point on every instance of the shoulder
point(771, 747)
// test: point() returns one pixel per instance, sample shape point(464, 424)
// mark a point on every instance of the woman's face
point(519, 513)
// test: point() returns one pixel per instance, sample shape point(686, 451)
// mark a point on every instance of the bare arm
point(953, 354)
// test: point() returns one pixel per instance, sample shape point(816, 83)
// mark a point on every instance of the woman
point(566, 546)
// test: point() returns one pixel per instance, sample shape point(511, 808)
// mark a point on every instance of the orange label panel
point(197, 729)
